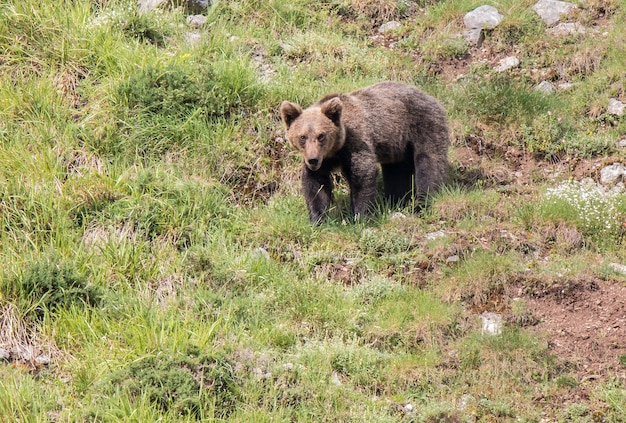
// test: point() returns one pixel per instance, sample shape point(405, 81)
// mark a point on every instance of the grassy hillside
point(158, 262)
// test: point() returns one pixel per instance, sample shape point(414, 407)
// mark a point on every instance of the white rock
point(612, 174)
point(616, 107)
point(492, 323)
point(434, 235)
point(474, 36)
point(545, 87)
point(452, 259)
point(619, 268)
point(389, 26)
point(193, 38)
point(507, 63)
point(146, 6)
point(196, 20)
point(566, 28)
point(486, 17)
point(622, 143)
point(564, 86)
point(397, 216)
point(551, 11)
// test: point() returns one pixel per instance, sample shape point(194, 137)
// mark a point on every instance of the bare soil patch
point(585, 321)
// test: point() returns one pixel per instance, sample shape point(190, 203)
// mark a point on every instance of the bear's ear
point(332, 110)
point(289, 112)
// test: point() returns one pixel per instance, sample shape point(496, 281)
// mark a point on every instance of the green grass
point(156, 246)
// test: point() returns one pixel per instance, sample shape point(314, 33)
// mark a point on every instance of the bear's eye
point(302, 139)
point(321, 137)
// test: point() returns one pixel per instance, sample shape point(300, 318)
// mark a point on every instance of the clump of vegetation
point(49, 285)
point(191, 383)
point(593, 211)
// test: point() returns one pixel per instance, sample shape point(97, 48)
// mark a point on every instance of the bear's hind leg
point(398, 181)
point(430, 175)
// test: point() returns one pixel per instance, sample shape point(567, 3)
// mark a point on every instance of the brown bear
point(390, 123)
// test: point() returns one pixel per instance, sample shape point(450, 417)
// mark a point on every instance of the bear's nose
point(313, 162)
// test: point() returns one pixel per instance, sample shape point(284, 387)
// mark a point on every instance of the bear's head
point(316, 132)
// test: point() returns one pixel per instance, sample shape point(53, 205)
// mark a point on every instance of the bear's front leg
point(362, 176)
point(317, 187)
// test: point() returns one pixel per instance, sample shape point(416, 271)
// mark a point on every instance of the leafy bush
point(191, 383)
point(50, 285)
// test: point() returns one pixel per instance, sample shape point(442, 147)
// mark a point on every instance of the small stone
point(474, 36)
point(334, 379)
point(566, 28)
point(260, 253)
point(43, 359)
point(564, 86)
point(193, 38)
point(389, 26)
point(545, 87)
point(551, 11)
point(507, 63)
point(492, 323)
point(484, 17)
point(612, 174)
point(196, 20)
point(397, 216)
point(622, 143)
point(409, 408)
point(452, 259)
point(146, 6)
point(434, 235)
point(5, 354)
point(619, 268)
point(616, 107)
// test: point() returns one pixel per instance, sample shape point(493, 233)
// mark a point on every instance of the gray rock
point(196, 21)
point(146, 6)
point(389, 26)
point(564, 86)
point(566, 28)
point(619, 268)
point(616, 107)
point(492, 323)
point(474, 36)
point(5, 354)
point(552, 11)
point(453, 259)
point(193, 38)
point(612, 174)
point(507, 63)
point(190, 6)
point(434, 235)
point(397, 216)
point(484, 17)
point(260, 253)
point(621, 143)
point(545, 87)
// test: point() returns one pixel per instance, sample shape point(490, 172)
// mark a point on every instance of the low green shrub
point(191, 383)
point(49, 285)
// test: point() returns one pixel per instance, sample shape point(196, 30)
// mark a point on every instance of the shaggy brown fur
point(391, 124)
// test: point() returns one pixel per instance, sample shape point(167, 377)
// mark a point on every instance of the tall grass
point(155, 242)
